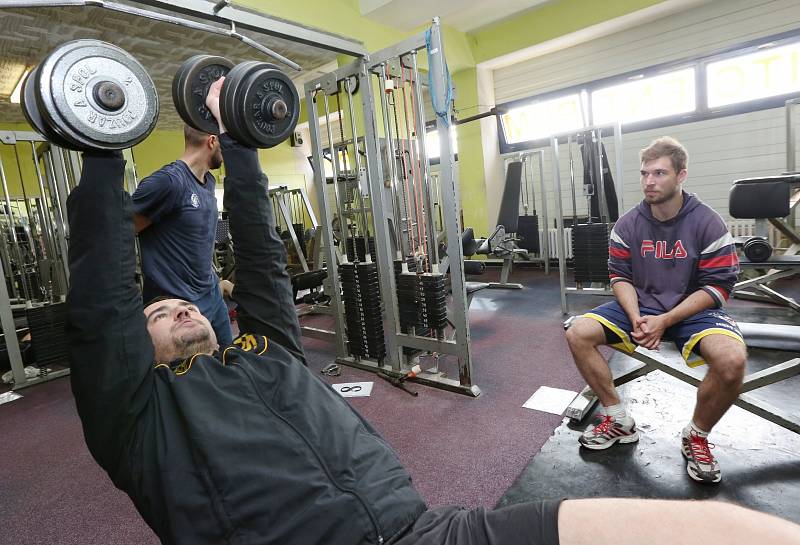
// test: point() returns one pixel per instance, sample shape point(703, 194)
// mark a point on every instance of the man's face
point(660, 182)
point(216, 153)
point(178, 330)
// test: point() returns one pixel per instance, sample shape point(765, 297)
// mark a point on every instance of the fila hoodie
point(666, 261)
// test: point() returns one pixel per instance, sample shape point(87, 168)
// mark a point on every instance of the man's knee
point(728, 362)
point(585, 333)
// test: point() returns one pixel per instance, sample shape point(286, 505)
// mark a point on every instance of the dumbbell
point(757, 249)
point(88, 94)
point(259, 105)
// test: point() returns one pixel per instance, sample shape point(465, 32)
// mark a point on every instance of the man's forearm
point(696, 302)
point(627, 299)
point(109, 348)
point(263, 288)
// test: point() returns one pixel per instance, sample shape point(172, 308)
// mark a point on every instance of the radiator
point(552, 241)
point(746, 228)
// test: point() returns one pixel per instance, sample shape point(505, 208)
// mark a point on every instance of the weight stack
point(528, 232)
point(363, 310)
point(355, 247)
point(590, 252)
point(433, 296)
point(48, 334)
point(407, 301)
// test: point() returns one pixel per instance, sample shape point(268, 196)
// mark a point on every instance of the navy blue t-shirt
point(177, 248)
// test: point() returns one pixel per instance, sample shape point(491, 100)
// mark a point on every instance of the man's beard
point(661, 199)
point(194, 342)
point(216, 161)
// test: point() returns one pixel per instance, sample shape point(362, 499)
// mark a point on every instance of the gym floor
point(458, 450)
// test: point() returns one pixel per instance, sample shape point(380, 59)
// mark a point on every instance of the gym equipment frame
point(380, 199)
point(618, 184)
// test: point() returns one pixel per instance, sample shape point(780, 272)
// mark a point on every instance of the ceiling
point(28, 35)
point(464, 15)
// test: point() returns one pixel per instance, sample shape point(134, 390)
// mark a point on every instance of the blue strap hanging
point(441, 113)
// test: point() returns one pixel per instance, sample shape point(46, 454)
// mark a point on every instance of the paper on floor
point(550, 400)
point(354, 389)
point(9, 396)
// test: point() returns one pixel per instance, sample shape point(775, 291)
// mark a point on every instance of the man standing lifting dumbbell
point(175, 216)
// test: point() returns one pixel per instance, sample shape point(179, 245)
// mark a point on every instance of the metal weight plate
point(271, 106)
point(190, 87)
point(31, 112)
point(96, 95)
point(230, 113)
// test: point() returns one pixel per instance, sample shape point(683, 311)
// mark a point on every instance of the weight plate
point(231, 115)
point(271, 107)
point(96, 95)
point(31, 112)
point(190, 87)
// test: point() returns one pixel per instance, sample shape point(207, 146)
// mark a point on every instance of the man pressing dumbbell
point(246, 446)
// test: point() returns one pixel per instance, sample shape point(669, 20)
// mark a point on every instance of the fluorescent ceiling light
point(15, 94)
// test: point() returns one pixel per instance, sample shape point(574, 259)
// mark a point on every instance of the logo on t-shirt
point(195, 200)
point(659, 248)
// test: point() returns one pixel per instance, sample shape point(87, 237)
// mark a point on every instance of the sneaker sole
point(611, 442)
point(696, 476)
point(699, 478)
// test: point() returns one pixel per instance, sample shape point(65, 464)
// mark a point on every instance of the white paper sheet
point(353, 389)
point(9, 396)
point(550, 400)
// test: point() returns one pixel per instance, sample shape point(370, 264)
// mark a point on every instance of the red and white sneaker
point(607, 431)
point(701, 464)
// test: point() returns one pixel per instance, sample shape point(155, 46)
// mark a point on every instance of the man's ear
point(682, 176)
point(211, 141)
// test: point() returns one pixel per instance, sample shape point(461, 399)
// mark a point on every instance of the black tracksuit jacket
point(242, 447)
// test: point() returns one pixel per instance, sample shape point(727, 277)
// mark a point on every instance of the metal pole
point(562, 261)
point(451, 201)
point(620, 186)
point(47, 223)
point(335, 166)
point(387, 128)
point(790, 135)
point(340, 340)
point(423, 157)
point(13, 229)
point(365, 232)
point(60, 223)
point(543, 208)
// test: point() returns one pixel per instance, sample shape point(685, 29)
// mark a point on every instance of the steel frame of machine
point(384, 208)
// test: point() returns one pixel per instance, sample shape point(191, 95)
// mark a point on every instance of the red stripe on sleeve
point(722, 291)
point(729, 260)
point(621, 253)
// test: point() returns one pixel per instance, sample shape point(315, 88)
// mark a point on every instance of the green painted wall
point(549, 21)
point(25, 162)
point(470, 153)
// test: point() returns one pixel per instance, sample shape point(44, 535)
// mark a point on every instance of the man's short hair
point(158, 298)
point(193, 138)
point(666, 146)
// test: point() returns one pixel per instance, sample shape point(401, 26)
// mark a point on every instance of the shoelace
point(700, 448)
point(604, 425)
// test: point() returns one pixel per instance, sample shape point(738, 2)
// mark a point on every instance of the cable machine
point(589, 232)
point(389, 292)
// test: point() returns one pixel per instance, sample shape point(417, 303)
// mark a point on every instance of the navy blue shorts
point(685, 334)
point(529, 523)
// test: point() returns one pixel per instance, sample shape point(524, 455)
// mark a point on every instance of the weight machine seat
point(761, 198)
point(509, 206)
point(308, 280)
point(771, 336)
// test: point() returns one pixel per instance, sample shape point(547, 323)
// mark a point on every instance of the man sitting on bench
point(672, 264)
